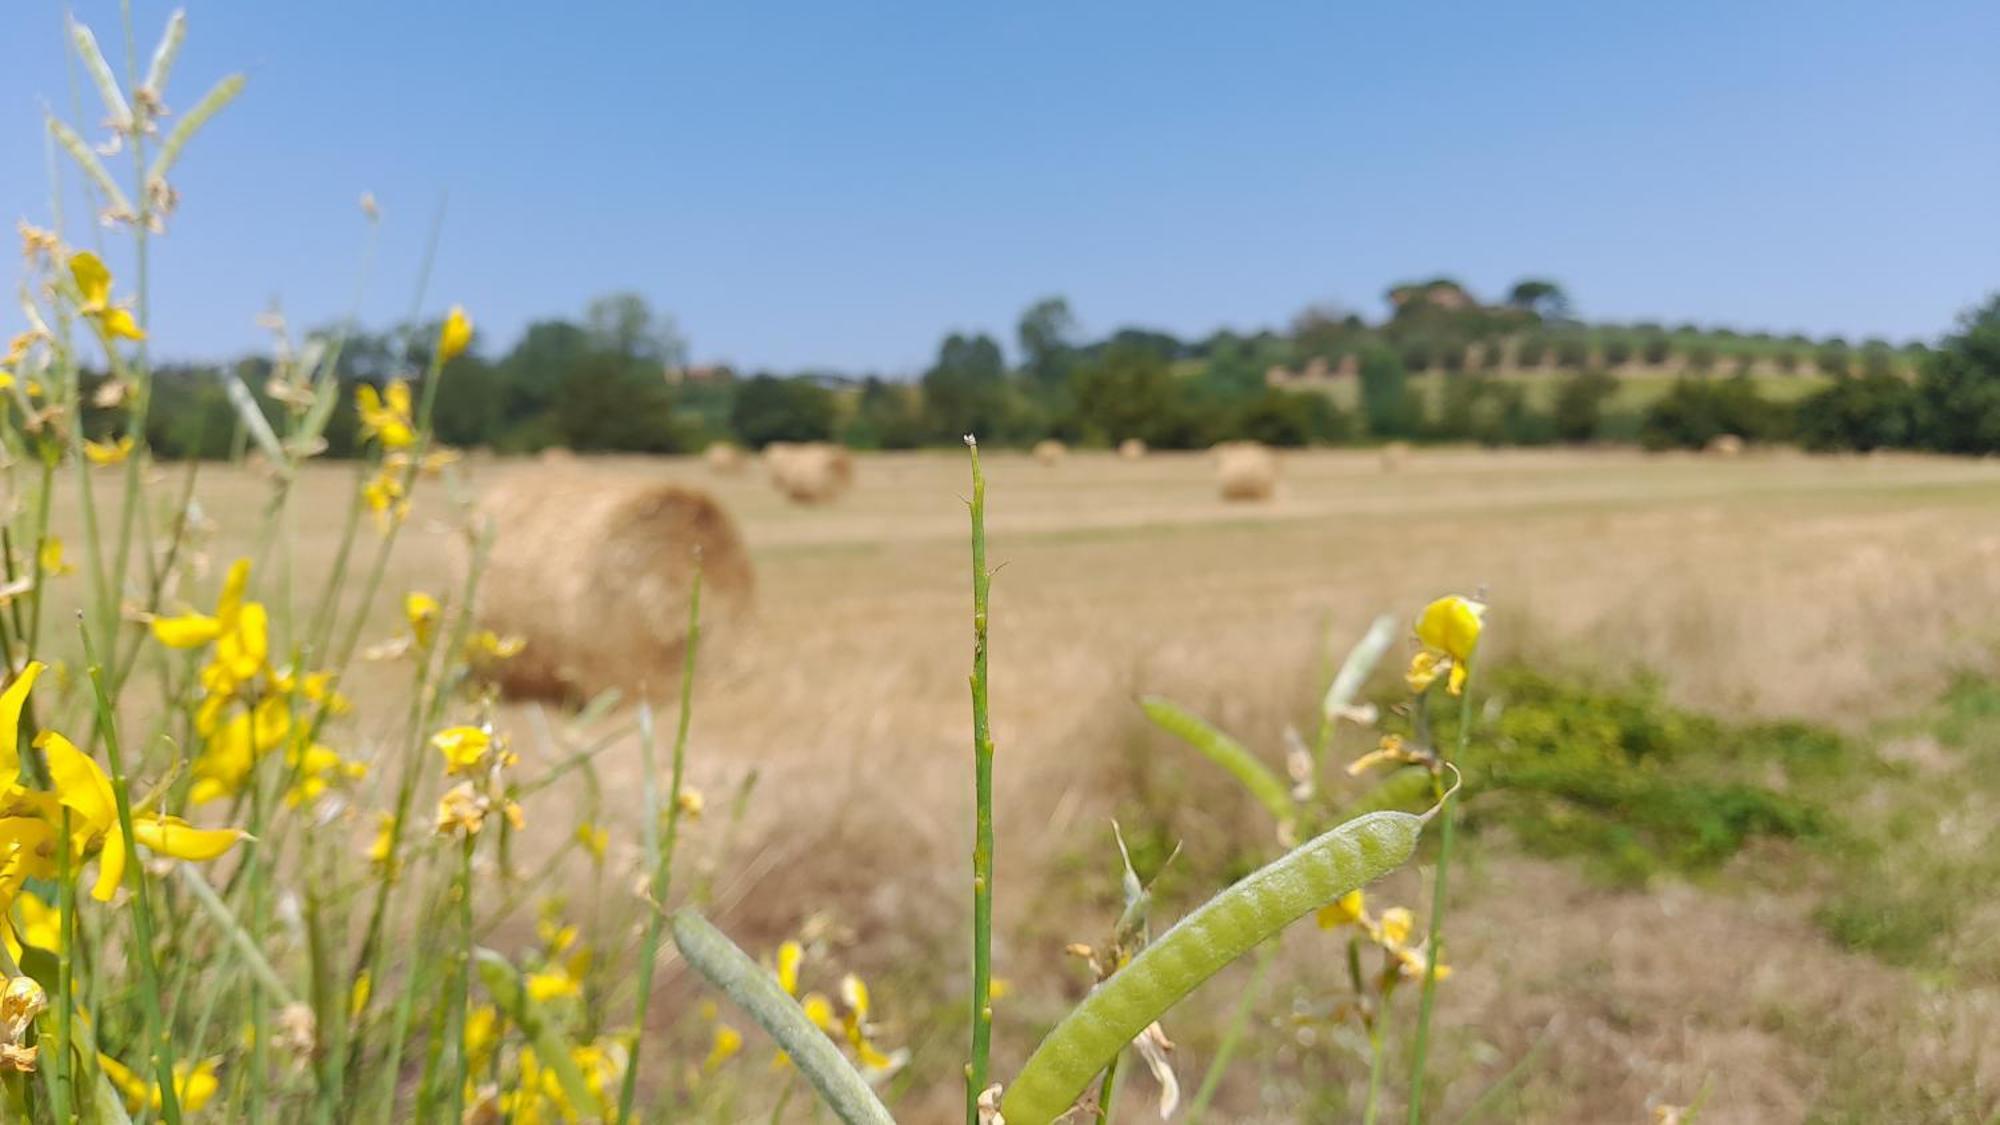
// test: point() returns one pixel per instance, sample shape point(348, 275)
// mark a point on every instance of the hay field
point(1771, 585)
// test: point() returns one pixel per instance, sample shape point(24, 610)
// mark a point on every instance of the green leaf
point(754, 989)
point(1224, 751)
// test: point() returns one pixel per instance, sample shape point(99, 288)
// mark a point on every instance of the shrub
point(1869, 412)
point(1618, 349)
point(1833, 357)
point(1695, 412)
point(1533, 350)
point(1572, 352)
point(1655, 348)
point(1701, 356)
point(1579, 405)
point(1632, 784)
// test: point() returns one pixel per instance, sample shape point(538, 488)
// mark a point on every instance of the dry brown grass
point(1768, 584)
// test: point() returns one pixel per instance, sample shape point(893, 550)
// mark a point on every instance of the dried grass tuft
point(593, 572)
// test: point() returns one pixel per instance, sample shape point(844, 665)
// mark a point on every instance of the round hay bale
point(1394, 455)
point(1725, 445)
point(809, 472)
point(593, 572)
point(1246, 470)
point(1050, 452)
point(723, 458)
point(1131, 449)
point(557, 455)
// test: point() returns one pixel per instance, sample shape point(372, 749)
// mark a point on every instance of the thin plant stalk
point(1107, 1091)
point(1225, 1051)
point(1447, 817)
point(157, 1033)
point(982, 845)
point(662, 849)
point(1375, 1057)
point(61, 1089)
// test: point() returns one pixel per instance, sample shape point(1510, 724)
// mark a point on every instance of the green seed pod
point(1199, 946)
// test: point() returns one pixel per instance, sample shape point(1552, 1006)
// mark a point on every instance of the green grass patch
point(1632, 785)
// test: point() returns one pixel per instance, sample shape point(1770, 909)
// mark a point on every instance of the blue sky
point(839, 185)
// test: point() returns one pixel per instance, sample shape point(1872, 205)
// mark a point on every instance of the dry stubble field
point(1848, 590)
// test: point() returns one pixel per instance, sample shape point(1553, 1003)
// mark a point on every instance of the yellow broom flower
point(108, 452)
point(1448, 628)
point(83, 788)
point(93, 285)
point(385, 415)
point(455, 336)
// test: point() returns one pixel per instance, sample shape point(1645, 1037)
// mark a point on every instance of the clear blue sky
point(838, 185)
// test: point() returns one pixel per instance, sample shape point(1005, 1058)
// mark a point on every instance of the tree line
point(1441, 367)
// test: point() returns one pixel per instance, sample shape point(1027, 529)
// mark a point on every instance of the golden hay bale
point(809, 472)
point(1246, 470)
point(593, 572)
point(724, 458)
point(557, 455)
point(1726, 445)
point(1394, 454)
point(1049, 451)
point(1131, 449)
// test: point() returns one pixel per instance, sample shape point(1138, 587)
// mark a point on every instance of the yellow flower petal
point(79, 784)
point(93, 280)
point(789, 956)
point(1451, 625)
point(172, 836)
point(120, 323)
point(189, 630)
point(108, 452)
point(110, 867)
point(11, 702)
point(1343, 911)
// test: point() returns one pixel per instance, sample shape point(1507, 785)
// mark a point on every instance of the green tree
point(1290, 418)
point(1045, 331)
point(1128, 391)
point(769, 409)
point(625, 325)
point(608, 402)
point(1958, 388)
point(963, 390)
point(1540, 296)
point(1386, 402)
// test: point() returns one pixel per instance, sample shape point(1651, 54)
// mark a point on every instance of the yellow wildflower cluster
point(194, 1086)
point(1401, 961)
point(31, 819)
point(248, 708)
point(848, 1023)
point(476, 754)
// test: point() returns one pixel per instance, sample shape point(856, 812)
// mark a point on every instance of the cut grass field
point(1796, 981)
